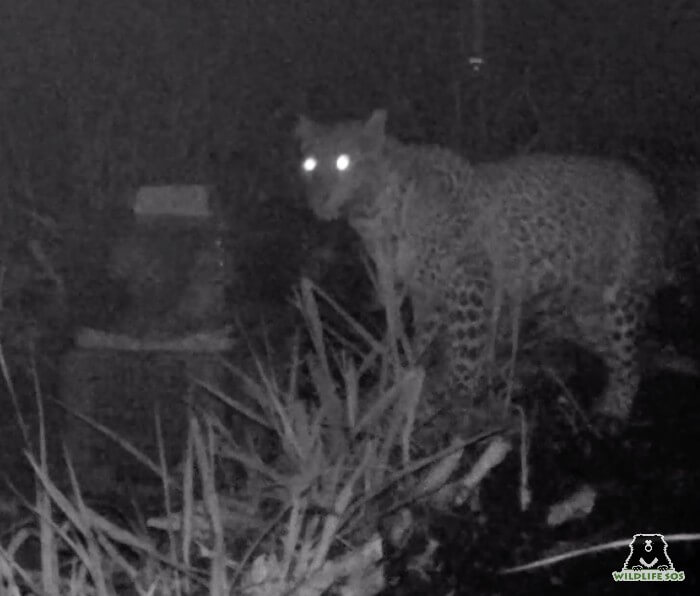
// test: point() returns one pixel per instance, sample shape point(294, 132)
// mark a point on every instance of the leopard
point(568, 244)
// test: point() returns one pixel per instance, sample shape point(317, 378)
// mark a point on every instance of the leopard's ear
point(305, 128)
point(375, 127)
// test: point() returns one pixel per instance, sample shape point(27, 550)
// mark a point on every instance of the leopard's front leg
point(456, 327)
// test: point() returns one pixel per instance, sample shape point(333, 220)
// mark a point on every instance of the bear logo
point(648, 552)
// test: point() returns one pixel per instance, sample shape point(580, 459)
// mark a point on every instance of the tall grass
point(325, 450)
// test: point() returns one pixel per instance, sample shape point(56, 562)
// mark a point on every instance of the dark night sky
point(124, 91)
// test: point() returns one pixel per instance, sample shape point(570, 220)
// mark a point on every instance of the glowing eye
point(343, 162)
point(309, 164)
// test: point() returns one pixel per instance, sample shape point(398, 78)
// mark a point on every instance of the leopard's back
point(541, 220)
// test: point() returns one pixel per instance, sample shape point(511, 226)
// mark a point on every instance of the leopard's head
point(342, 165)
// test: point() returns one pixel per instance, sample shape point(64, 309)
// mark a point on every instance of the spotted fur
point(572, 243)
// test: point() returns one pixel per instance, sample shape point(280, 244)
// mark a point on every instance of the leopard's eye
point(342, 163)
point(309, 164)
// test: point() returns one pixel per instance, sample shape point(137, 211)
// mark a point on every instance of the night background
point(100, 98)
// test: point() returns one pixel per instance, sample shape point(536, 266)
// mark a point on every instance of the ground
point(647, 481)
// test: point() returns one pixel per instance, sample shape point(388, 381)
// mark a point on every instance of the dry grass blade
point(8, 569)
point(96, 564)
point(352, 394)
point(254, 390)
point(309, 309)
point(188, 500)
point(123, 443)
point(13, 396)
point(411, 382)
point(254, 463)
point(291, 539)
point(413, 468)
point(309, 287)
point(408, 392)
point(211, 501)
point(340, 507)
